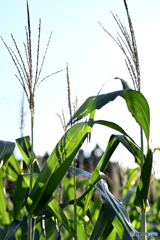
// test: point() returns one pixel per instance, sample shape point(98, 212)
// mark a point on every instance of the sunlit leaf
point(80, 230)
point(15, 164)
point(54, 208)
point(57, 165)
point(10, 174)
point(5, 217)
point(136, 104)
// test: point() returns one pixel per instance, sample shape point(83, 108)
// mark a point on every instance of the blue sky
point(93, 59)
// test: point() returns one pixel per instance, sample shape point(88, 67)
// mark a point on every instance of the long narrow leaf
point(15, 164)
point(13, 229)
point(136, 103)
point(24, 146)
point(22, 185)
point(114, 209)
point(4, 214)
point(57, 165)
point(54, 208)
point(102, 223)
point(6, 150)
point(144, 182)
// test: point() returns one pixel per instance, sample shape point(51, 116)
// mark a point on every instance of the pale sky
point(93, 59)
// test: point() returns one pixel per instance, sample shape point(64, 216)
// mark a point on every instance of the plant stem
point(143, 213)
point(75, 200)
point(31, 175)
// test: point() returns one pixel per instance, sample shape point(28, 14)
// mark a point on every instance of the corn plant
point(36, 213)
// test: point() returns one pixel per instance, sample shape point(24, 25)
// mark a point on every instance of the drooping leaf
point(13, 229)
point(136, 104)
point(114, 209)
point(130, 146)
point(139, 108)
point(144, 182)
point(24, 146)
point(156, 149)
point(6, 150)
point(57, 165)
point(112, 145)
point(113, 126)
point(125, 85)
point(92, 103)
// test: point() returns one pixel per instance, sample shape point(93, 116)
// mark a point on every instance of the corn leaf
point(22, 184)
point(6, 150)
point(56, 166)
point(15, 164)
point(114, 209)
point(136, 104)
point(13, 229)
point(25, 149)
point(10, 174)
point(5, 218)
point(80, 230)
point(144, 182)
point(54, 208)
point(102, 223)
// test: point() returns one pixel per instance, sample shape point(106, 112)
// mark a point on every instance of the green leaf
point(57, 165)
point(13, 229)
point(80, 230)
point(124, 83)
point(10, 174)
point(136, 104)
point(131, 147)
point(92, 103)
point(6, 150)
point(131, 174)
point(95, 177)
point(114, 209)
point(102, 223)
point(22, 184)
point(156, 149)
point(54, 208)
point(25, 149)
point(111, 146)
point(4, 213)
point(113, 126)
point(2, 232)
point(144, 182)
point(15, 164)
